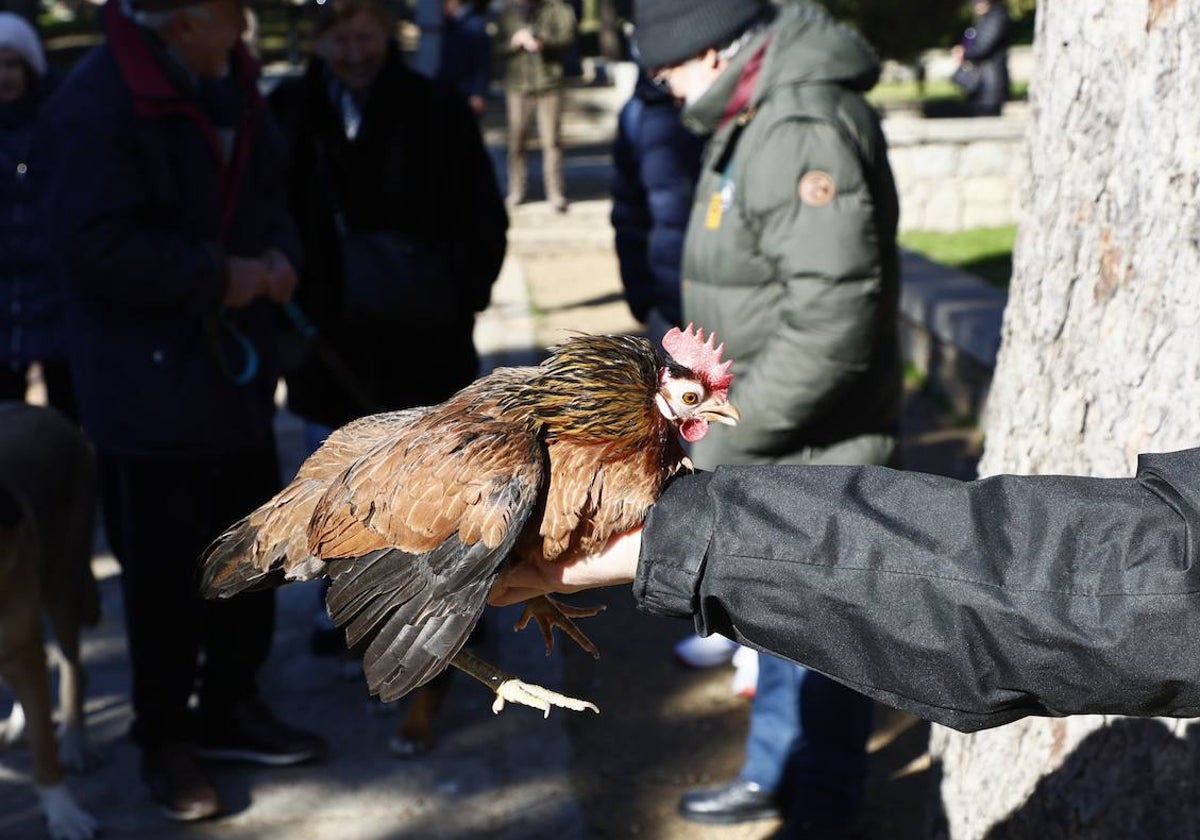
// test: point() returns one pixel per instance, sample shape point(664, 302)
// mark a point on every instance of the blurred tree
point(1099, 362)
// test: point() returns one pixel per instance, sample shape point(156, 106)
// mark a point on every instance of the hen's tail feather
point(224, 570)
point(270, 546)
point(267, 548)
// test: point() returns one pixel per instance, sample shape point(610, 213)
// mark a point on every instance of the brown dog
point(47, 522)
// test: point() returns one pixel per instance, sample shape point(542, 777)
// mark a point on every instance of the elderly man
point(170, 219)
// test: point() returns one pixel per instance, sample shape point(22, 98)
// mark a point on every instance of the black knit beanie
point(670, 32)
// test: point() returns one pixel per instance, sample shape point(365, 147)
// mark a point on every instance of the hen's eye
point(690, 398)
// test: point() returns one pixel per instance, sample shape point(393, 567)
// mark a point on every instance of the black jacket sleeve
point(971, 604)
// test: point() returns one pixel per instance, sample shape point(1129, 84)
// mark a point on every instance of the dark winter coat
point(31, 301)
point(971, 604)
point(417, 166)
point(145, 208)
point(553, 23)
point(791, 256)
point(656, 162)
point(988, 52)
point(466, 61)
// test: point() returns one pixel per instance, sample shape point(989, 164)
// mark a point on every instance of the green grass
point(986, 252)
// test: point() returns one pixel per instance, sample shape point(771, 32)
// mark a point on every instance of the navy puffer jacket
point(656, 162)
point(31, 305)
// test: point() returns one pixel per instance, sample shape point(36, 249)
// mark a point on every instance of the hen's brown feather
point(414, 492)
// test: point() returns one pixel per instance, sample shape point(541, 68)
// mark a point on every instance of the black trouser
point(57, 376)
point(161, 513)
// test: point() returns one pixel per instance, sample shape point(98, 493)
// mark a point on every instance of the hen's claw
point(509, 689)
point(549, 613)
point(518, 691)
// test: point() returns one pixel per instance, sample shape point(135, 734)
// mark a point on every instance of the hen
point(413, 513)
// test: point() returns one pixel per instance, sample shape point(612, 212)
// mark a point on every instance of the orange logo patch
point(817, 188)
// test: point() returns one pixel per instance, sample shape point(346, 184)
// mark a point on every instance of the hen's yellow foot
point(518, 691)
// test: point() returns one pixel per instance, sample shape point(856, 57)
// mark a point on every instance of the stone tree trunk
point(1100, 361)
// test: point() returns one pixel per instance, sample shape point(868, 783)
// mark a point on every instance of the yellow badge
point(712, 219)
point(817, 188)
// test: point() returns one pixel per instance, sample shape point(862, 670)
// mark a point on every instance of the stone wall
point(954, 174)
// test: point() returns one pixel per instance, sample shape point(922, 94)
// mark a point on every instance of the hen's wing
point(270, 545)
point(415, 532)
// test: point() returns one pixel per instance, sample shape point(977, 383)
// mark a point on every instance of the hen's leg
point(509, 689)
point(549, 613)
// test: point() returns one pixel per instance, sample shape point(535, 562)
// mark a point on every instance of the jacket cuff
point(675, 541)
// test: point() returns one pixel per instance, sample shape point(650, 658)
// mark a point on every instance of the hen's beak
point(725, 413)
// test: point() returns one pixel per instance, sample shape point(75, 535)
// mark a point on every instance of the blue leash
point(309, 332)
point(250, 364)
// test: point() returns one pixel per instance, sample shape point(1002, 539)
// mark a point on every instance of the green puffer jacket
point(790, 254)
point(553, 23)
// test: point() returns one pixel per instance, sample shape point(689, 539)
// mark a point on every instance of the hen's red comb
point(701, 357)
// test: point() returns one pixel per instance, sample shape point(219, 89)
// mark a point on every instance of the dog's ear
point(10, 512)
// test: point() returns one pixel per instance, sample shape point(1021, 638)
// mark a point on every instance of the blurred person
point(791, 258)
point(466, 60)
point(982, 58)
point(535, 36)
point(656, 162)
point(31, 306)
point(170, 218)
point(402, 223)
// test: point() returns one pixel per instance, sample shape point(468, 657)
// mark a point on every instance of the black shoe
point(250, 732)
point(733, 802)
point(177, 785)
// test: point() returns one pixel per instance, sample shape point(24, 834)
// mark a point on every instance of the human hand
point(245, 279)
point(280, 276)
point(957, 52)
point(615, 565)
point(478, 104)
point(521, 38)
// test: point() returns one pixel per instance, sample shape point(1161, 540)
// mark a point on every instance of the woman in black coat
point(31, 299)
point(375, 147)
point(984, 57)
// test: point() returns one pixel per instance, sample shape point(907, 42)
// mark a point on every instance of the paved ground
point(515, 775)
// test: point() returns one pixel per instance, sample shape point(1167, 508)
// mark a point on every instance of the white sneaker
point(745, 673)
point(705, 651)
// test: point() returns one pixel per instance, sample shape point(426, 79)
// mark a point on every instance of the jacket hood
point(810, 47)
point(806, 47)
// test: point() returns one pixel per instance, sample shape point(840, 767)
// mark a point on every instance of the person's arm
point(806, 192)
point(479, 61)
point(970, 604)
point(102, 200)
point(477, 220)
point(991, 35)
point(630, 215)
point(284, 257)
point(670, 169)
